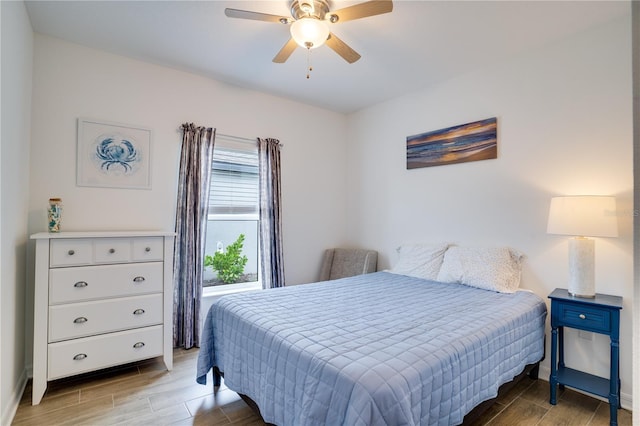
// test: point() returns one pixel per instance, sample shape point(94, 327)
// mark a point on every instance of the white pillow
point(420, 260)
point(497, 269)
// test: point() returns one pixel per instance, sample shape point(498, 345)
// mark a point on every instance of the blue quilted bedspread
point(376, 349)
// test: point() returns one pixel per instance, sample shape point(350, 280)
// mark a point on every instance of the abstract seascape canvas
point(457, 144)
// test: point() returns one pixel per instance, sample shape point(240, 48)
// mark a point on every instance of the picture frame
point(113, 155)
point(473, 141)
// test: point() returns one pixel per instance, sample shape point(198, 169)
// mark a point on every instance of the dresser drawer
point(98, 317)
point(584, 317)
point(148, 249)
point(88, 251)
point(112, 250)
point(92, 353)
point(96, 282)
point(68, 252)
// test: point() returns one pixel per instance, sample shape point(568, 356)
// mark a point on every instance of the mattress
point(375, 349)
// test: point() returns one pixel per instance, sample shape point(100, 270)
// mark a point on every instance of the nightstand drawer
point(584, 318)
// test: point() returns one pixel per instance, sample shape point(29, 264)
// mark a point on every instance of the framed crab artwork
point(113, 155)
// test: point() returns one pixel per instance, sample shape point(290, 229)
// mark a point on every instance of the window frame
point(238, 287)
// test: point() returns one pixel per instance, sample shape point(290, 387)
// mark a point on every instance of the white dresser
point(101, 299)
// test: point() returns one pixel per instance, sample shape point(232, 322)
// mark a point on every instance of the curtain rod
point(238, 138)
point(241, 139)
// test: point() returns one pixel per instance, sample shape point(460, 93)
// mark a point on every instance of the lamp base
point(582, 296)
point(581, 267)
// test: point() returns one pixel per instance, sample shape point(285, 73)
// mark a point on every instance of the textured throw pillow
point(497, 269)
point(420, 260)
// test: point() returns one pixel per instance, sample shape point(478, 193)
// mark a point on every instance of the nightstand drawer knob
point(80, 284)
point(71, 252)
point(80, 357)
point(147, 249)
point(138, 279)
point(138, 345)
point(138, 312)
point(582, 316)
point(112, 250)
point(80, 320)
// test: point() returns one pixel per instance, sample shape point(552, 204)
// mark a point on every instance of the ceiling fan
point(309, 24)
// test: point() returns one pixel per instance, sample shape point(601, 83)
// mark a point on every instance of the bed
point(375, 349)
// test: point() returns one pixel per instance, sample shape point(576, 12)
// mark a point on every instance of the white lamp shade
point(591, 216)
point(583, 216)
point(309, 32)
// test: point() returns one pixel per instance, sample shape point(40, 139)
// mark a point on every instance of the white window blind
point(234, 181)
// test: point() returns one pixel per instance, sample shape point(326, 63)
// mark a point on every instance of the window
point(233, 210)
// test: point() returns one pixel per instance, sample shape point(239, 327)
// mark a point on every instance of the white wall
point(565, 127)
point(72, 81)
point(17, 62)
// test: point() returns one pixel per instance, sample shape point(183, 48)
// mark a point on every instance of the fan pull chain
point(309, 67)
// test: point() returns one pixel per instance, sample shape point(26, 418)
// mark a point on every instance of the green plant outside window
point(229, 264)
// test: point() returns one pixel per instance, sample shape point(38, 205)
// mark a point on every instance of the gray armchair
point(342, 263)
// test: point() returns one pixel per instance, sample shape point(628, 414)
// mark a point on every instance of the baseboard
point(626, 400)
point(12, 406)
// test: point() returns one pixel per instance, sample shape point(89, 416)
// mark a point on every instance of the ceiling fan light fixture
point(309, 32)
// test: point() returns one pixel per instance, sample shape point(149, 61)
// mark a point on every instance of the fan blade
point(362, 10)
point(285, 52)
point(342, 49)
point(256, 16)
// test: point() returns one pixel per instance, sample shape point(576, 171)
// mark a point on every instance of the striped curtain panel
point(191, 222)
point(270, 213)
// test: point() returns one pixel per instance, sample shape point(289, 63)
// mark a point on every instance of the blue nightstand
point(599, 315)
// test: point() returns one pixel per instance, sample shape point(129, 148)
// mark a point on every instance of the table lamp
point(582, 217)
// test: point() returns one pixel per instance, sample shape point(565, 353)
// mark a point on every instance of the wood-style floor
point(146, 394)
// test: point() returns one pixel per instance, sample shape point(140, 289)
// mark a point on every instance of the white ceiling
point(418, 44)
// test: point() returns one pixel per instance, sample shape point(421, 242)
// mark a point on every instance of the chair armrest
point(370, 262)
point(327, 261)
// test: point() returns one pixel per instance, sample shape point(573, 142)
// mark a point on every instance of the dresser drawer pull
point(80, 357)
point(138, 279)
point(112, 250)
point(80, 320)
point(138, 345)
point(80, 284)
point(138, 312)
point(71, 252)
point(582, 316)
point(147, 249)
